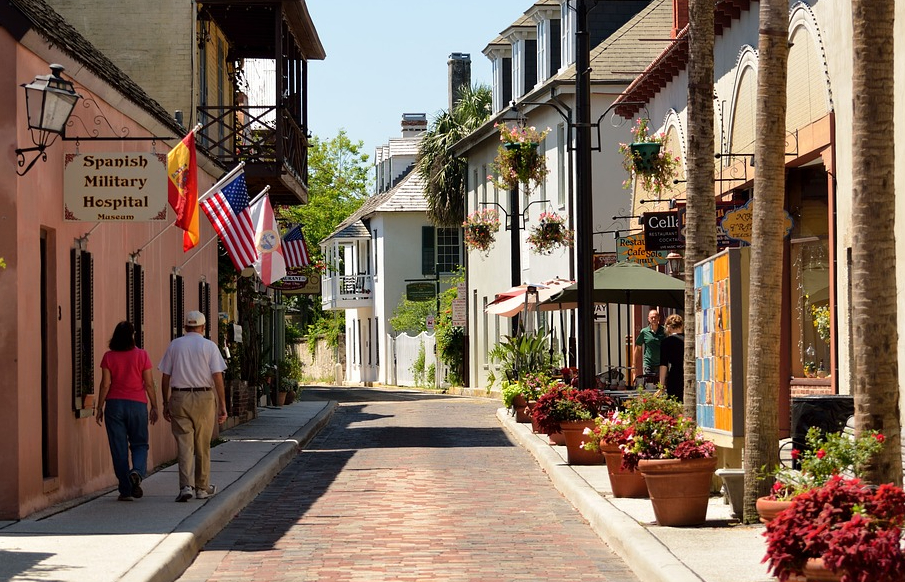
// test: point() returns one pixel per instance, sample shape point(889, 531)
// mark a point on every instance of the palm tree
point(764, 325)
point(875, 368)
point(445, 175)
point(700, 234)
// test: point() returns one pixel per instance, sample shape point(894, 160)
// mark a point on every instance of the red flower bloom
point(795, 453)
point(821, 453)
point(880, 438)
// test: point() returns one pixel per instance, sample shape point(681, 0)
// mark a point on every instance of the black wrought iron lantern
point(49, 101)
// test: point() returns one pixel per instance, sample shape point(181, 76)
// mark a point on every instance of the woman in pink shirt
point(126, 388)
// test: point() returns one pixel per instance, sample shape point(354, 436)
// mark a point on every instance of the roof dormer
point(500, 54)
point(522, 37)
point(546, 16)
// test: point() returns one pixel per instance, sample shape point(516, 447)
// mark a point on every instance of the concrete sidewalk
point(721, 550)
point(155, 539)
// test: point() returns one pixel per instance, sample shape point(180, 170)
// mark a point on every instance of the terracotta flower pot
point(556, 438)
point(520, 404)
point(769, 508)
point(815, 571)
point(679, 489)
point(574, 436)
point(623, 483)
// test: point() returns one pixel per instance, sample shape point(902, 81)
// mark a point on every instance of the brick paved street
point(408, 486)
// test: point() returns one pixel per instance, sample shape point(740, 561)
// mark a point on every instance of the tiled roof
point(404, 146)
point(627, 52)
point(53, 27)
point(674, 58)
point(407, 196)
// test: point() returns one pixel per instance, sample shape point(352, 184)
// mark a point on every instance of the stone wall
point(322, 365)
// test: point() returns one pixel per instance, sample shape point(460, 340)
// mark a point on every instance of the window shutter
point(428, 255)
point(177, 305)
point(135, 300)
point(204, 306)
point(174, 325)
point(81, 290)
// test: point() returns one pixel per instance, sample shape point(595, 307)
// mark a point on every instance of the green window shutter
point(428, 254)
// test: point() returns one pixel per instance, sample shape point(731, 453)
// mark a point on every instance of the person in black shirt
point(672, 357)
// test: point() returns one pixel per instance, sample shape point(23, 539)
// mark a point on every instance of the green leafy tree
point(444, 174)
point(411, 316)
point(337, 186)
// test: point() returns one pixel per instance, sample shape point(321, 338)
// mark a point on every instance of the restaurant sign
point(631, 248)
point(124, 187)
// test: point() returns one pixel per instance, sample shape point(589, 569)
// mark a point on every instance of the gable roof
point(674, 58)
point(50, 25)
point(406, 196)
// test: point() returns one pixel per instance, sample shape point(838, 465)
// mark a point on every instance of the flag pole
point(155, 237)
point(229, 176)
point(259, 196)
point(197, 252)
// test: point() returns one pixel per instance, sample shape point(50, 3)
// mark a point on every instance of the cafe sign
point(124, 187)
point(631, 248)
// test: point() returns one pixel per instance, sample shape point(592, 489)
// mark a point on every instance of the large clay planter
point(522, 413)
point(815, 571)
point(768, 508)
point(574, 435)
point(557, 438)
point(623, 483)
point(679, 489)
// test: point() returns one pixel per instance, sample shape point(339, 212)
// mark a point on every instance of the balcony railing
point(266, 137)
point(347, 291)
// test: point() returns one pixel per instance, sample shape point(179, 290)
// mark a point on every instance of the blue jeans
point(127, 428)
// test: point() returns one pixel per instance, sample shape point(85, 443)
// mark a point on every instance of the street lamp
point(49, 101)
point(675, 263)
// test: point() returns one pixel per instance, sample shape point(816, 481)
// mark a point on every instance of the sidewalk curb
point(648, 558)
point(178, 549)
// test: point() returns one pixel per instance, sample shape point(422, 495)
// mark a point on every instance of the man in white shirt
point(192, 388)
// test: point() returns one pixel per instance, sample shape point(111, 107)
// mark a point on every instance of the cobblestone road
point(408, 486)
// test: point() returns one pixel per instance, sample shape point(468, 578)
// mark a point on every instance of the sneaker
point(124, 498)
point(184, 494)
point(205, 493)
point(135, 478)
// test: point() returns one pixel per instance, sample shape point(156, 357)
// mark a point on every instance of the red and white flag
point(294, 248)
point(270, 264)
point(227, 209)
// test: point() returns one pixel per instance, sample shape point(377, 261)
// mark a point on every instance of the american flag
point(228, 212)
point(294, 248)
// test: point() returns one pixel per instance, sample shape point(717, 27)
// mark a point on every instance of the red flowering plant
point(855, 529)
point(658, 435)
point(825, 455)
point(563, 403)
point(617, 427)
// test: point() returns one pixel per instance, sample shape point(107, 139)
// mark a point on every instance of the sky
point(388, 58)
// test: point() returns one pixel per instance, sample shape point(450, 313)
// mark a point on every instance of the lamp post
point(49, 101)
point(515, 252)
point(584, 199)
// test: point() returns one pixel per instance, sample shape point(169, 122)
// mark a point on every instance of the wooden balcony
point(347, 292)
point(273, 145)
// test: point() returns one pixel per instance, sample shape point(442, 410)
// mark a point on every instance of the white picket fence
point(405, 352)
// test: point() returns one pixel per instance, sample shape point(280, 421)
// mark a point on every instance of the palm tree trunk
point(764, 324)
point(700, 232)
point(875, 382)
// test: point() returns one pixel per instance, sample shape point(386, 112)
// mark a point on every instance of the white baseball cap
point(194, 319)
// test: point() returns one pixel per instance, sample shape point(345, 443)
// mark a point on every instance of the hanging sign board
point(661, 231)
point(120, 187)
point(632, 249)
point(420, 291)
point(459, 317)
point(298, 282)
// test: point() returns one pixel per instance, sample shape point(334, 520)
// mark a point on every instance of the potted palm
point(569, 411)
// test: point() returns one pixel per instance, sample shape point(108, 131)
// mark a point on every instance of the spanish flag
point(182, 189)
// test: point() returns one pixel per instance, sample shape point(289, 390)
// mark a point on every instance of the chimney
point(679, 16)
point(413, 124)
point(459, 76)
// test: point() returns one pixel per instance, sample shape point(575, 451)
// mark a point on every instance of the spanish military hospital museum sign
point(121, 186)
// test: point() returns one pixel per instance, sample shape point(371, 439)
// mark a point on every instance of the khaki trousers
point(192, 421)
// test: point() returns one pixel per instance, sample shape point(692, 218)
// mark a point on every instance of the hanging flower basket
point(518, 161)
point(480, 229)
point(648, 162)
point(644, 156)
point(549, 233)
